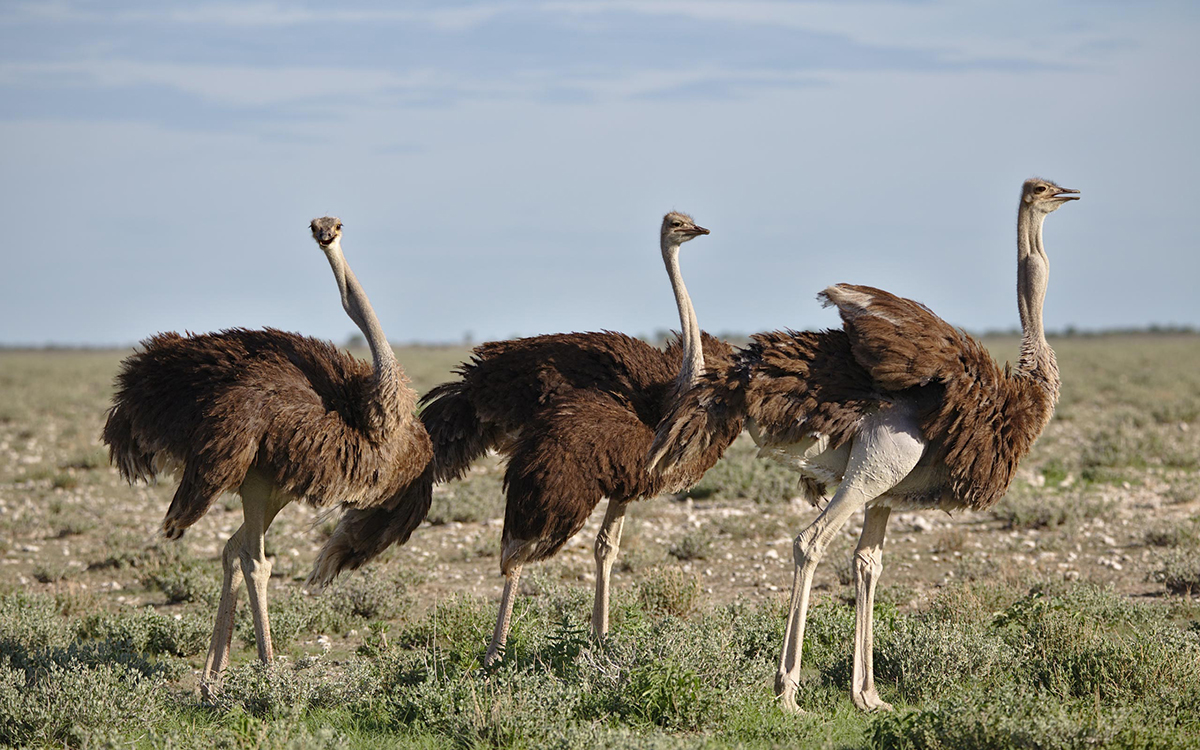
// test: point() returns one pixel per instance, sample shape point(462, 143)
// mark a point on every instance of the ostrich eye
point(676, 223)
point(1040, 189)
point(339, 227)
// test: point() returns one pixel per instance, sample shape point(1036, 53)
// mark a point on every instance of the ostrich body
point(575, 415)
point(274, 417)
point(898, 410)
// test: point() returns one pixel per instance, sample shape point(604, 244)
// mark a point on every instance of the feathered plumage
point(575, 415)
point(295, 408)
point(978, 419)
point(898, 408)
point(273, 416)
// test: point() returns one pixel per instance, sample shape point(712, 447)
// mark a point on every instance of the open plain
point(1066, 616)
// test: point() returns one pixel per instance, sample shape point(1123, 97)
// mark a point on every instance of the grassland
point(1066, 617)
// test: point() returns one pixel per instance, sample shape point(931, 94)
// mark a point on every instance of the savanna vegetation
point(1065, 617)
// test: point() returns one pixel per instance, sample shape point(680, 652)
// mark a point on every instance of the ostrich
point(575, 415)
point(273, 416)
point(898, 410)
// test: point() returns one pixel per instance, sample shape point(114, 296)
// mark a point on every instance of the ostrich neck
point(1033, 272)
point(692, 365)
point(358, 307)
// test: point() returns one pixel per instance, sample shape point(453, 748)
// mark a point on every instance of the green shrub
point(1009, 717)
point(54, 571)
point(31, 622)
point(459, 629)
point(741, 475)
point(1089, 641)
point(666, 694)
point(65, 704)
point(928, 658)
point(478, 498)
point(370, 595)
point(185, 581)
point(669, 591)
point(1179, 571)
point(149, 632)
point(828, 638)
point(1172, 535)
point(696, 544)
point(276, 690)
point(1021, 508)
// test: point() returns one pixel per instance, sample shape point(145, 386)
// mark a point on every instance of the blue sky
point(502, 167)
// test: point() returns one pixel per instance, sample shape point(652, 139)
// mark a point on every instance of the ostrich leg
point(608, 544)
point(259, 507)
point(500, 636)
point(218, 651)
point(260, 503)
point(886, 449)
point(868, 564)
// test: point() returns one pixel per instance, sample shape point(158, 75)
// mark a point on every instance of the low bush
point(64, 704)
point(1011, 717)
point(669, 591)
point(1022, 508)
point(146, 631)
point(1179, 571)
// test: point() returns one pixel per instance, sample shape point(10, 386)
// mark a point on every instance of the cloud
point(221, 65)
point(259, 15)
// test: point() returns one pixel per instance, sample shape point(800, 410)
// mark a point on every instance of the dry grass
point(1108, 497)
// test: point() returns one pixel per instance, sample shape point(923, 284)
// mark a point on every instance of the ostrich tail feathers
point(458, 437)
point(670, 447)
point(695, 419)
point(364, 533)
point(131, 460)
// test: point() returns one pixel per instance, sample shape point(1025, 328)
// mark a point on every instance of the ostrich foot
point(493, 656)
point(785, 693)
point(210, 688)
point(869, 700)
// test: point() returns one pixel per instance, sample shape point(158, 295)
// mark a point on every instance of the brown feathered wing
point(986, 418)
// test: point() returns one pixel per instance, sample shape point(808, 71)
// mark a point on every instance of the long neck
point(1033, 272)
point(358, 307)
point(692, 366)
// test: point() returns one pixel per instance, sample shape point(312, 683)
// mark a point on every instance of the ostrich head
point(678, 228)
point(327, 231)
point(1043, 196)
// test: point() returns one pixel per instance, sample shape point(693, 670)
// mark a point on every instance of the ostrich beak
point(696, 231)
point(1063, 194)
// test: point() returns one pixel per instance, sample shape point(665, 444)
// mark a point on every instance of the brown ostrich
point(898, 410)
point(274, 417)
point(575, 415)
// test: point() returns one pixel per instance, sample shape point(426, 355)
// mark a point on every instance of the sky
point(502, 168)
